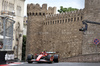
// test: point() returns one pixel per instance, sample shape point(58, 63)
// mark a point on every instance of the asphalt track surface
point(53, 64)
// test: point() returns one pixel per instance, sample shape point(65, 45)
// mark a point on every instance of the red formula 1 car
point(48, 57)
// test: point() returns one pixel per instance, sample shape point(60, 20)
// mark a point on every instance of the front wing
point(41, 60)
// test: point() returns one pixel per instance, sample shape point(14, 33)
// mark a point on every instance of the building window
point(44, 14)
point(71, 19)
point(33, 13)
point(3, 8)
point(4, 5)
point(68, 20)
point(46, 23)
point(74, 19)
point(78, 18)
point(11, 7)
point(18, 10)
point(58, 21)
point(81, 17)
point(53, 22)
point(65, 20)
point(36, 14)
point(30, 14)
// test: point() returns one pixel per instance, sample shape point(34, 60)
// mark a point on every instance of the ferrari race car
point(48, 57)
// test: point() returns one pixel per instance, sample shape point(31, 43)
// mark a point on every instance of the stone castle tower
point(35, 25)
point(91, 13)
point(60, 32)
point(92, 8)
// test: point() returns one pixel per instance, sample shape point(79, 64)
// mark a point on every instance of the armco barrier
point(5, 56)
point(2, 57)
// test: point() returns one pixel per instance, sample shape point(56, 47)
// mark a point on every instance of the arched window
point(46, 23)
point(27, 14)
point(33, 14)
point(30, 14)
point(36, 14)
point(78, 19)
point(75, 19)
point(58, 21)
point(53, 22)
point(68, 20)
point(81, 17)
point(65, 20)
point(71, 19)
point(43, 14)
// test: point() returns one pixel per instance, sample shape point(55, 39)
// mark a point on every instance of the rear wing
point(51, 52)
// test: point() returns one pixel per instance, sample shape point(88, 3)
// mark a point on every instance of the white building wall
point(10, 6)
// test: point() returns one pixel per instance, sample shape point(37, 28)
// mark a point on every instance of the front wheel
point(29, 58)
point(30, 61)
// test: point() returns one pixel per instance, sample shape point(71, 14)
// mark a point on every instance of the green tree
point(24, 48)
point(61, 10)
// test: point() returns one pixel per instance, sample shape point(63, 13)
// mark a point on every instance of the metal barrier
point(6, 32)
point(6, 39)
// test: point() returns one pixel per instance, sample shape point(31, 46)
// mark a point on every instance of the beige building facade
point(25, 25)
point(16, 6)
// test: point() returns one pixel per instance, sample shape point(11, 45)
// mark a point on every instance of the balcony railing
point(7, 13)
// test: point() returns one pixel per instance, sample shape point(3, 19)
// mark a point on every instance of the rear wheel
point(29, 58)
point(56, 58)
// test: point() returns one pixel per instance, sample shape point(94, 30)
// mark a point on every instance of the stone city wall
point(61, 33)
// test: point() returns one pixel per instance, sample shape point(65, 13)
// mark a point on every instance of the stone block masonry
point(60, 32)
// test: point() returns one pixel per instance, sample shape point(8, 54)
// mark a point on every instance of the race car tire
point(29, 58)
point(30, 61)
point(56, 58)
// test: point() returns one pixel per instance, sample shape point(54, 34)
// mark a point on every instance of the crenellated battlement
point(64, 17)
point(36, 6)
point(73, 13)
point(36, 9)
point(50, 14)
